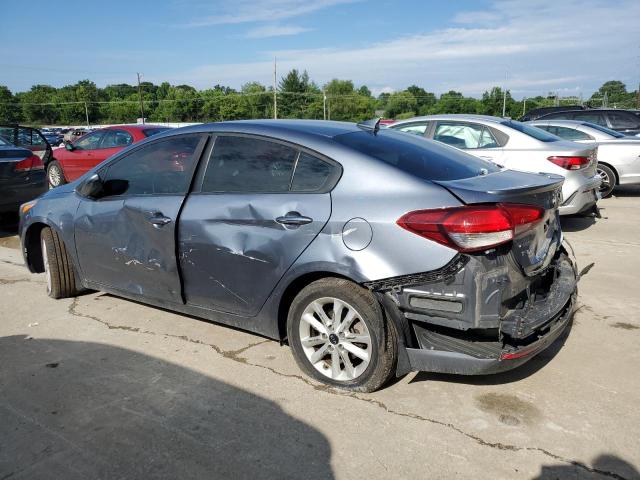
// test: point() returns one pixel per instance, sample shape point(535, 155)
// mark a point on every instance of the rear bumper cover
point(496, 326)
point(583, 198)
point(463, 364)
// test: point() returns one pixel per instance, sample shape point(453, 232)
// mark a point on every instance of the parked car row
point(370, 251)
point(623, 121)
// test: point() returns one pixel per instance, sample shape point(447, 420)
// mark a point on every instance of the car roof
point(318, 128)
point(454, 116)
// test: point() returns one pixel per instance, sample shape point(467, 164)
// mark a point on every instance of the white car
point(618, 154)
point(518, 146)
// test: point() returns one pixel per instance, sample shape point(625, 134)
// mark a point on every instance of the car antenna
point(372, 125)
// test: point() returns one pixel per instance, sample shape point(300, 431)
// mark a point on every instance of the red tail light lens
point(570, 163)
point(34, 162)
point(472, 228)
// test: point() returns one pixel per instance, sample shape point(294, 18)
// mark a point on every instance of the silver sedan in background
point(518, 146)
point(618, 154)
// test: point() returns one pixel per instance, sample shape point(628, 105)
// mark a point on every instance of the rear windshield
point(152, 131)
point(602, 129)
point(533, 132)
point(417, 156)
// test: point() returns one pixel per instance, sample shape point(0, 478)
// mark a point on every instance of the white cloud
point(543, 44)
point(275, 31)
point(246, 11)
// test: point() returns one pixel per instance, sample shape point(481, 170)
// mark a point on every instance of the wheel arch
point(33, 247)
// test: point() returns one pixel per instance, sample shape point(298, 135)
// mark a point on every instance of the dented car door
point(125, 238)
point(250, 220)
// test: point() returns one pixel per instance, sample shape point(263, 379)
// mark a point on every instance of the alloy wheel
point(335, 339)
point(605, 186)
point(54, 176)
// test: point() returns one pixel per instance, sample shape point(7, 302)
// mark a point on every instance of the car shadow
point(78, 410)
point(627, 191)
point(577, 223)
point(529, 368)
point(606, 464)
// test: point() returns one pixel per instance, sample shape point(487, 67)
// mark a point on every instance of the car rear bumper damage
point(583, 199)
point(479, 314)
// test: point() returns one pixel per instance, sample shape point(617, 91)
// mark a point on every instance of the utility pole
point(275, 89)
point(86, 113)
point(324, 104)
point(504, 96)
point(140, 96)
point(524, 106)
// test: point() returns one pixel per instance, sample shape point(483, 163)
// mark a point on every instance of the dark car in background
point(538, 112)
point(371, 252)
point(22, 176)
point(622, 121)
point(83, 154)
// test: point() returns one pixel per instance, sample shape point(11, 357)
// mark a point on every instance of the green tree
point(425, 100)
point(402, 104)
point(346, 103)
point(9, 106)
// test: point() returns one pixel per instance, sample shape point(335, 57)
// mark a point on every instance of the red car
point(82, 155)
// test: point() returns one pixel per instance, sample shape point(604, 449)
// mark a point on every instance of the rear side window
point(152, 131)
point(464, 135)
point(246, 164)
point(623, 120)
point(568, 133)
point(115, 139)
point(532, 132)
point(414, 128)
point(593, 117)
point(312, 174)
point(417, 156)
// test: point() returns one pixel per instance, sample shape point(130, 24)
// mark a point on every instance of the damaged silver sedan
point(370, 252)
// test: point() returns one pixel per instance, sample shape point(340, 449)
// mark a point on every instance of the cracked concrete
point(129, 377)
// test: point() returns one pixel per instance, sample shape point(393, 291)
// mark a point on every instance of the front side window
point(246, 164)
point(116, 139)
point(163, 167)
point(414, 128)
point(89, 142)
point(464, 135)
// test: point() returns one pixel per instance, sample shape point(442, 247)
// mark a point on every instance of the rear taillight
point(34, 162)
point(570, 163)
point(472, 227)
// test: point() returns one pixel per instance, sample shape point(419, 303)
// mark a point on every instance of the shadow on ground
point(8, 231)
point(85, 410)
point(615, 466)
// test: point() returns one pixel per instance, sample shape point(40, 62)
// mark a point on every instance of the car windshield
point(152, 131)
point(533, 132)
point(602, 129)
point(422, 158)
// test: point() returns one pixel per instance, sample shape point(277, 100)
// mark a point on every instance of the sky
point(532, 47)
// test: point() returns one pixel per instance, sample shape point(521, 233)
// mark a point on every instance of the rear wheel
point(609, 180)
point(58, 269)
point(55, 175)
point(339, 336)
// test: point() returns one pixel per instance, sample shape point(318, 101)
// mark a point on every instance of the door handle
point(294, 219)
point(158, 220)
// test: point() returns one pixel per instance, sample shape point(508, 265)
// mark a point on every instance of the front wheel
point(55, 175)
point(58, 269)
point(339, 336)
point(608, 177)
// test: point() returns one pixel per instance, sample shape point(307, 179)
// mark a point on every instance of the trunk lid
point(9, 157)
point(535, 248)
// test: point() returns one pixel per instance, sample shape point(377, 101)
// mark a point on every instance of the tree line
point(297, 96)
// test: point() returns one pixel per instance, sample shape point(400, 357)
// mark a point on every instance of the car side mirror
point(69, 146)
point(92, 187)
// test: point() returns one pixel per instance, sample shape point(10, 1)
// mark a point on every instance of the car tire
point(55, 175)
point(357, 353)
point(58, 267)
point(609, 179)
